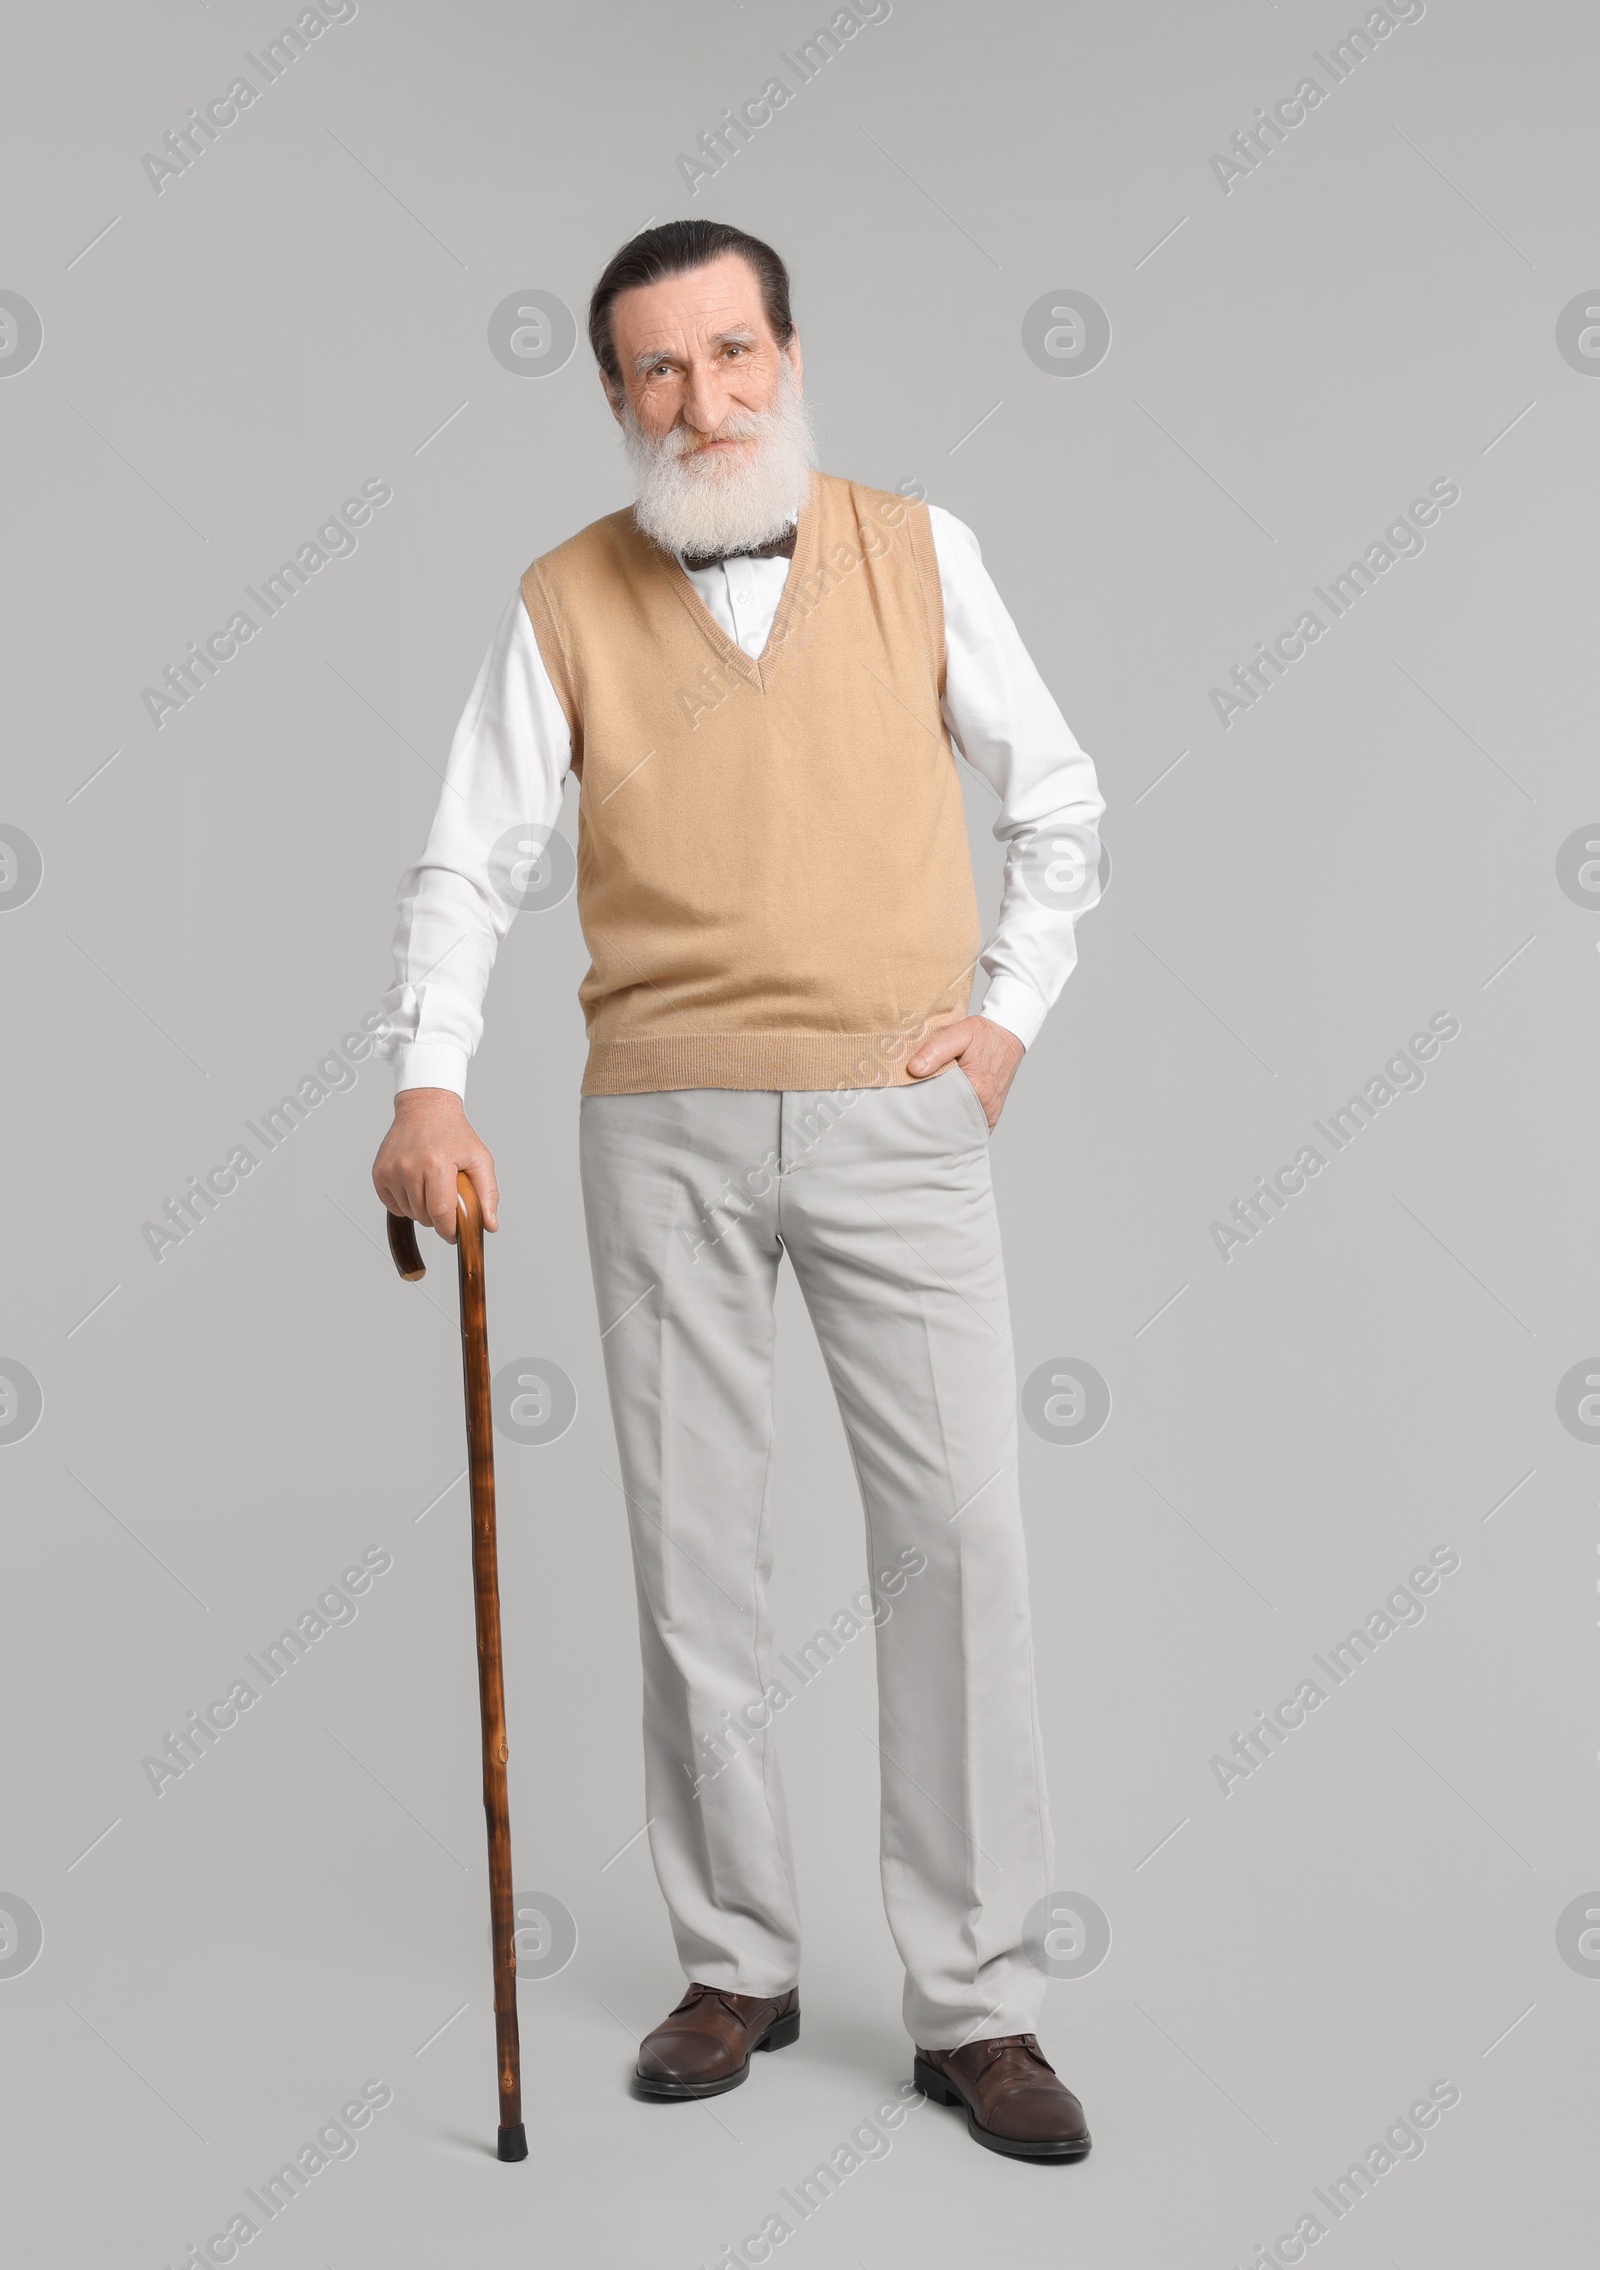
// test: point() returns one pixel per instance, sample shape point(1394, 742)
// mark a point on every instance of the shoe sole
point(778, 2035)
point(938, 2090)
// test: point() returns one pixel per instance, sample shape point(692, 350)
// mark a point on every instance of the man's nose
point(705, 400)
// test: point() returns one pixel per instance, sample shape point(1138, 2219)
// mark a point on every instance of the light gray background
point(1374, 1377)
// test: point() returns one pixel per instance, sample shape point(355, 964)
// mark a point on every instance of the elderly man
point(756, 672)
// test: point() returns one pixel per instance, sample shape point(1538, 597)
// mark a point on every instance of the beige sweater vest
point(774, 881)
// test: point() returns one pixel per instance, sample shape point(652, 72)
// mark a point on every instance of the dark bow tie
point(780, 548)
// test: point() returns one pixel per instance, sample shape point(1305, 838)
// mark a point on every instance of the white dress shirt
point(512, 751)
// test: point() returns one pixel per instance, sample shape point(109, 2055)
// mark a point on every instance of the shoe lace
point(1009, 2057)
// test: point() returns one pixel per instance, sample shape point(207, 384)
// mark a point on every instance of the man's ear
point(614, 397)
point(793, 352)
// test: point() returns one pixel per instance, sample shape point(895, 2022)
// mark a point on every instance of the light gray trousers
point(881, 1197)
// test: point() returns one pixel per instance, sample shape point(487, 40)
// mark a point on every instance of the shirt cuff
point(431, 1064)
point(1013, 1003)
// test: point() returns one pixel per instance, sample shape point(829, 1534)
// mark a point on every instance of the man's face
point(696, 350)
point(713, 421)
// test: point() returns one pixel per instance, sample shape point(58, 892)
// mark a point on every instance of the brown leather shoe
point(703, 2046)
point(1014, 2102)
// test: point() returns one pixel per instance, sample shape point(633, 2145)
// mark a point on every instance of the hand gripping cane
point(486, 1600)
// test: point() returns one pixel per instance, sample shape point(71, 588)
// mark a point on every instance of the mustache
point(687, 441)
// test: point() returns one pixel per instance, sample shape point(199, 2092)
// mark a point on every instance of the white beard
point(693, 501)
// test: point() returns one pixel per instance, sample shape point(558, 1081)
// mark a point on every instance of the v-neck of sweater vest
point(757, 669)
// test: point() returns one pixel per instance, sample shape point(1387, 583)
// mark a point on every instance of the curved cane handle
point(403, 1246)
point(469, 1233)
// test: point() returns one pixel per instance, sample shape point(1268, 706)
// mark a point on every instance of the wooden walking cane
point(486, 1600)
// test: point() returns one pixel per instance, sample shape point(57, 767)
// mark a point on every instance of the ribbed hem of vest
point(796, 1061)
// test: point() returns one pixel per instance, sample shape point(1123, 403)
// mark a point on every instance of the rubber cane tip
point(514, 2142)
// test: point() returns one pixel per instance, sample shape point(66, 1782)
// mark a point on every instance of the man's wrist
point(995, 1024)
point(409, 1100)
